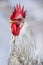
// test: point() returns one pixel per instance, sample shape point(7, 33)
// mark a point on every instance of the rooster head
point(18, 14)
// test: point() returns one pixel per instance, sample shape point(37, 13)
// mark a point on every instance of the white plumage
point(22, 51)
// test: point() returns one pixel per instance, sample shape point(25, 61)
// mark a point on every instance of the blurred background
point(35, 20)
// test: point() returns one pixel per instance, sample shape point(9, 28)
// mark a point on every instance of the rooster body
point(23, 48)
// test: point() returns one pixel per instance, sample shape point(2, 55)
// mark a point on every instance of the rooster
point(22, 50)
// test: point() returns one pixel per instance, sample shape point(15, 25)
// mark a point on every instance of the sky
point(35, 17)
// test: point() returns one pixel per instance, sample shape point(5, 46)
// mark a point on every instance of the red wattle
point(15, 29)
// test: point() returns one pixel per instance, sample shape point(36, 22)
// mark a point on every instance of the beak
point(11, 21)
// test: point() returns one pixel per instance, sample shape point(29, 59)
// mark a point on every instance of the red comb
point(18, 11)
